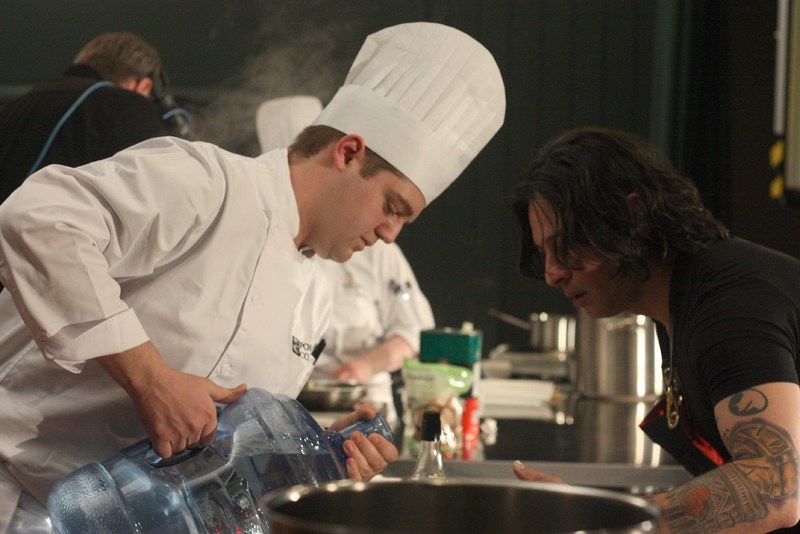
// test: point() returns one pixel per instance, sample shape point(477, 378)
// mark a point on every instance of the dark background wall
point(694, 77)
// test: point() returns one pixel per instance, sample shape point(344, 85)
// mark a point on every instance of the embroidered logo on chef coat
point(302, 349)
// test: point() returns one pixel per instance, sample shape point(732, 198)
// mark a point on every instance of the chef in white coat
point(378, 308)
point(379, 312)
point(142, 288)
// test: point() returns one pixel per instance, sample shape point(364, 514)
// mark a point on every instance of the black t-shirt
point(109, 120)
point(735, 311)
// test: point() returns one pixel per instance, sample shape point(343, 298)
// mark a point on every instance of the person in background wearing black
point(111, 87)
point(617, 229)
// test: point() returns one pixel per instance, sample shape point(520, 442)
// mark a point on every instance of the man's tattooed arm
point(756, 492)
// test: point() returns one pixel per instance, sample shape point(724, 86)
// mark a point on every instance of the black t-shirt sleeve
point(745, 338)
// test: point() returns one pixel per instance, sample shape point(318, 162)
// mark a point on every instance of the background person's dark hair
point(586, 175)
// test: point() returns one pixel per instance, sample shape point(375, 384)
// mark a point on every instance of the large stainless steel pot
point(466, 506)
point(617, 358)
point(550, 332)
point(607, 432)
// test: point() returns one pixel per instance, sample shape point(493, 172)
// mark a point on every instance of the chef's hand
point(386, 356)
point(526, 473)
point(367, 455)
point(177, 409)
point(353, 370)
point(178, 412)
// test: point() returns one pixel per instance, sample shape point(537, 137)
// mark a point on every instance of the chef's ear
point(349, 149)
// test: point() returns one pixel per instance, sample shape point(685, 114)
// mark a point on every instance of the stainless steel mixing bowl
point(455, 505)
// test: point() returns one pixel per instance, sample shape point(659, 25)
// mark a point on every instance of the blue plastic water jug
point(264, 442)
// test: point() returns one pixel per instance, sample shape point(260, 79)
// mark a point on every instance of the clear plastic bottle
point(429, 460)
point(264, 442)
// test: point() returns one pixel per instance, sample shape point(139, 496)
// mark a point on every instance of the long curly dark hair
point(587, 176)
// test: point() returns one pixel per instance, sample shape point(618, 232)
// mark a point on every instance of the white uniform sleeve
point(69, 237)
point(405, 311)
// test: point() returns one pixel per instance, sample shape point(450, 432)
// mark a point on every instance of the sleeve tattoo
point(765, 472)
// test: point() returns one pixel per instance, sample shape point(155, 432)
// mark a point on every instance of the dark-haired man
point(617, 229)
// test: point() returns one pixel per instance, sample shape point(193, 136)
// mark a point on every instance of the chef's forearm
point(176, 409)
point(388, 356)
point(134, 369)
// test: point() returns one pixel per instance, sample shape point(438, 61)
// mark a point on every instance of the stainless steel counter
point(591, 442)
point(575, 430)
point(545, 421)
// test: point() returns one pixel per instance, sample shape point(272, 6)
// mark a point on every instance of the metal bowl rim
point(360, 486)
point(294, 493)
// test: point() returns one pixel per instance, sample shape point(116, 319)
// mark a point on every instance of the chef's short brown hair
point(314, 138)
point(117, 56)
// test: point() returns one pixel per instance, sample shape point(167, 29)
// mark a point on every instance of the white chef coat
point(376, 297)
point(181, 243)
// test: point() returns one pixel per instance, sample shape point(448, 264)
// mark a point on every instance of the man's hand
point(526, 473)
point(177, 409)
point(367, 455)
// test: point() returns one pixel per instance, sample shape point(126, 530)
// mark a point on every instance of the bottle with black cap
point(429, 461)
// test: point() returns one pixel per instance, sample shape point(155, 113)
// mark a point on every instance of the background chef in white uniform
point(154, 283)
point(378, 308)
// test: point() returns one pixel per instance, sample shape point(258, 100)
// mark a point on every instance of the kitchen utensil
point(327, 394)
point(617, 358)
point(455, 505)
point(548, 331)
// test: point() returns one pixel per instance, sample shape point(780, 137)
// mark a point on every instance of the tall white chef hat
point(425, 97)
point(279, 120)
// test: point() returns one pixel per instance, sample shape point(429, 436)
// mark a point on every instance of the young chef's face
point(592, 285)
point(359, 211)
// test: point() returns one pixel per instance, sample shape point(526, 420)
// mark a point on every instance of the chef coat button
point(255, 298)
point(225, 369)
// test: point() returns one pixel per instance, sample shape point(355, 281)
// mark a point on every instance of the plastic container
point(264, 442)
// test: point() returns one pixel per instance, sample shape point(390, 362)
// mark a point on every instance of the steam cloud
point(302, 61)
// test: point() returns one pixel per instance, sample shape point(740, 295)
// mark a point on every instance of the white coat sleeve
point(69, 237)
point(401, 317)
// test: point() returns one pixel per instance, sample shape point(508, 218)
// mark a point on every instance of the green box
point(456, 346)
